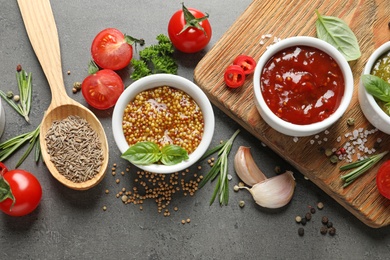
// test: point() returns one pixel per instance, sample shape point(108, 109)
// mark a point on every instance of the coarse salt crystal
point(312, 141)
point(295, 139)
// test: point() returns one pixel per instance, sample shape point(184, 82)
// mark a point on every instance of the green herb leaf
point(336, 32)
point(377, 87)
point(8, 147)
point(23, 106)
point(220, 170)
point(173, 154)
point(360, 168)
point(143, 153)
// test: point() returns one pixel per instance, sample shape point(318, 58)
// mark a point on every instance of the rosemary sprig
point(359, 167)
point(25, 93)
point(8, 147)
point(220, 169)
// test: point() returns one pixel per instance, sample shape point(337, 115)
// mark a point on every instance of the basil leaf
point(143, 153)
point(173, 154)
point(377, 87)
point(336, 32)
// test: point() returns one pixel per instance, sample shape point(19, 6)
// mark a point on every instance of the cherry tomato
point(24, 192)
point(110, 49)
point(234, 76)
point(247, 63)
point(383, 179)
point(189, 30)
point(102, 89)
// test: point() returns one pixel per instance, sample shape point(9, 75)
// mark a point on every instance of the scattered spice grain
point(323, 230)
point(74, 148)
point(301, 231)
point(241, 204)
point(324, 220)
point(320, 205)
point(298, 219)
point(332, 231)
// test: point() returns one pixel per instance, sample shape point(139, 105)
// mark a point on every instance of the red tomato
point(247, 63)
point(234, 76)
point(102, 89)
point(26, 191)
point(189, 30)
point(383, 179)
point(110, 49)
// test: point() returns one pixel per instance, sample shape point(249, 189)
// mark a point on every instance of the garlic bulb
point(246, 167)
point(274, 192)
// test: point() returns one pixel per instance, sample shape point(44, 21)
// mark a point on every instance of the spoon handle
point(42, 31)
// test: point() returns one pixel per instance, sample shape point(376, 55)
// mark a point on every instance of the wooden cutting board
point(369, 20)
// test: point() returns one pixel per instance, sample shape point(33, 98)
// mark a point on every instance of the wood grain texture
point(42, 31)
point(282, 19)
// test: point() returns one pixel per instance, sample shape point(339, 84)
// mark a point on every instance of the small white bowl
point(371, 110)
point(177, 82)
point(288, 128)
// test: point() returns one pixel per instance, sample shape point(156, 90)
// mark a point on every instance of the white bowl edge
point(178, 82)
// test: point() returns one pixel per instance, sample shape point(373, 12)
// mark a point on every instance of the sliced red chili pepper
point(247, 63)
point(234, 76)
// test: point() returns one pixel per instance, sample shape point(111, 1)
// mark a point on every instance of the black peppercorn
point(303, 221)
point(301, 231)
point(308, 216)
point(323, 230)
point(312, 210)
point(329, 224)
point(324, 220)
point(332, 231)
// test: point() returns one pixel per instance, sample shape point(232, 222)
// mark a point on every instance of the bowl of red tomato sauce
point(377, 109)
point(302, 86)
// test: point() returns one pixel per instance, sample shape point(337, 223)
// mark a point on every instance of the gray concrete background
point(70, 224)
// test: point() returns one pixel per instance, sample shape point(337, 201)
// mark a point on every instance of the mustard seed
point(104, 208)
point(298, 219)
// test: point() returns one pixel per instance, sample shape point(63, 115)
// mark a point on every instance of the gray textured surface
point(72, 225)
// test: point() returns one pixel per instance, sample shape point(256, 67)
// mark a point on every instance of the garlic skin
point(274, 192)
point(246, 167)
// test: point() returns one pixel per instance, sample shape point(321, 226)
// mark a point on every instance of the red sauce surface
point(302, 85)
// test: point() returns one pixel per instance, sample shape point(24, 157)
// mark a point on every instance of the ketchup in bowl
point(302, 85)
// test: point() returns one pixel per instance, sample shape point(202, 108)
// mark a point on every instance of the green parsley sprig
point(154, 59)
point(220, 170)
point(23, 106)
point(359, 167)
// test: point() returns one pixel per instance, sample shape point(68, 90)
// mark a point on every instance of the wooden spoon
point(41, 29)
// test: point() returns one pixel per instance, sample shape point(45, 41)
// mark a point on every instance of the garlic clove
point(246, 167)
point(274, 192)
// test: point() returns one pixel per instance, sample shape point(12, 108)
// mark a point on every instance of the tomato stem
point(192, 21)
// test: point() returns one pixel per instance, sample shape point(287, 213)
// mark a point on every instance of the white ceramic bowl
point(288, 128)
point(174, 81)
point(371, 110)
